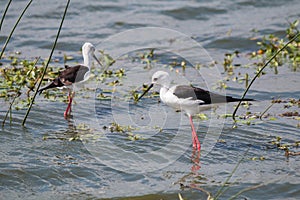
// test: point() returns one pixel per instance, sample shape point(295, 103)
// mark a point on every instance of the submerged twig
point(180, 197)
point(266, 110)
point(4, 14)
point(260, 71)
point(252, 188)
point(9, 110)
point(17, 95)
point(223, 189)
point(15, 26)
point(44, 72)
point(209, 195)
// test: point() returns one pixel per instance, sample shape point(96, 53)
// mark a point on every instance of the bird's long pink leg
point(196, 143)
point(68, 110)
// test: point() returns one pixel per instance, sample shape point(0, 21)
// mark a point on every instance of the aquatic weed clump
point(19, 78)
point(270, 44)
point(18, 73)
point(267, 46)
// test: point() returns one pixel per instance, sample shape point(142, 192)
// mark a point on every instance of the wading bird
point(74, 75)
point(190, 99)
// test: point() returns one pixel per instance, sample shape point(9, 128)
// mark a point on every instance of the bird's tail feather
point(55, 83)
point(50, 85)
point(232, 99)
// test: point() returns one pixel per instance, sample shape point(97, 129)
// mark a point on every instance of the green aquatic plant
point(127, 130)
point(287, 147)
point(23, 74)
point(19, 81)
point(134, 137)
point(67, 58)
point(147, 58)
point(113, 75)
point(271, 44)
point(102, 96)
point(135, 95)
point(265, 65)
point(272, 51)
point(107, 59)
point(290, 104)
point(115, 127)
point(202, 116)
point(228, 63)
point(117, 73)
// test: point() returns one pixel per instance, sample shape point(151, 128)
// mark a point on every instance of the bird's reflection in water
point(195, 158)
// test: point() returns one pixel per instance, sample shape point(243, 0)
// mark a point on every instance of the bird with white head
point(190, 99)
point(74, 75)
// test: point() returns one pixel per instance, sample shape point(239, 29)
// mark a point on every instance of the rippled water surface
point(46, 160)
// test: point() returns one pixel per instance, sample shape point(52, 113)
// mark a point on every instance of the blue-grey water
point(80, 158)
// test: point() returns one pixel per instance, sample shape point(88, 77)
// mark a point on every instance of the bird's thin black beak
point(97, 60)
point(145, 92)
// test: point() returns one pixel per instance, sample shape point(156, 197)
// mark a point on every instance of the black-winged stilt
point(190, 99)
point(74, 75)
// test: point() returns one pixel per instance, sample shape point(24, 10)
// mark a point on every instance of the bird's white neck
point(162, 93)
point(87, 60)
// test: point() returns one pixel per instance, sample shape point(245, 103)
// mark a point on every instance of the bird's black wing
point(185, 91)
point(68, 76)
point(73, 74)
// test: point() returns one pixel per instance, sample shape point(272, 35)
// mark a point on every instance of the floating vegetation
point(107, 59)
point(128, 130)
point(102, 96)
point(135, 93)
point(286, 147)
point(290, 104)
point(112, 74)
point(228, 62)
point(270, 44)
point(18, 74)
point(287, 52)
point(115, 127)
point(201, 116)
point(134, 137)
point(280, 50)
point(20, 77)
point(147, 58)
point(261, 158)
point(78, 133)
point(290, 114)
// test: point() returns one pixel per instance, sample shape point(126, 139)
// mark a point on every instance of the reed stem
point(4, 14)
point(44, 72)
point(260, 71)
point(9, 111)
point(13, 30)
point(223, 189)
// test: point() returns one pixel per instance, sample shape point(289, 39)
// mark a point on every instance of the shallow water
point(44, 160)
